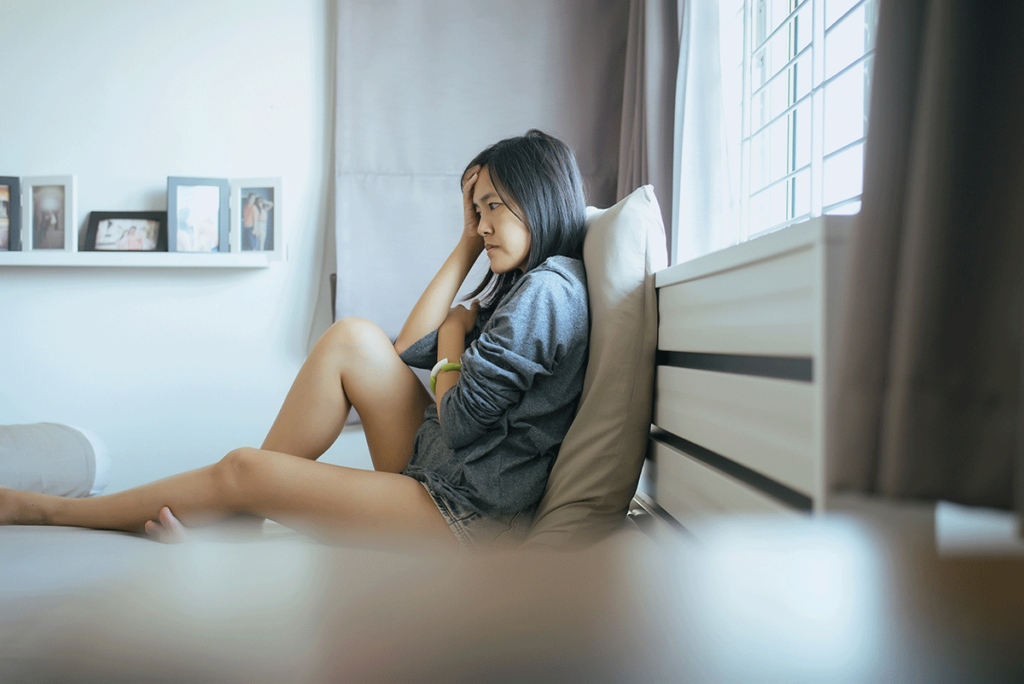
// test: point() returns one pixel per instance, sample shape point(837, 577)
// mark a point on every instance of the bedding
point(598, 465)
point(51, 458)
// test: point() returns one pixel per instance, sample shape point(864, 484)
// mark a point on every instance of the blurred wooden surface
point(840, 598)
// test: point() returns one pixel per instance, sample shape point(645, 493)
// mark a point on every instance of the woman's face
point(506, 238)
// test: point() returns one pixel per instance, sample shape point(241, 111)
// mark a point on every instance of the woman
point(249, 222)
point(467, 465)
point(130, 240)
point(263, 208)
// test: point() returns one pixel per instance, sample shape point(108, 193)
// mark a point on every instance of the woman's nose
point(484, 227)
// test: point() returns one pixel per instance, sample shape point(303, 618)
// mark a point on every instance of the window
point(795, 82)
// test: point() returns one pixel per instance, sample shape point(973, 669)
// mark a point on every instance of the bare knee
point(359, 341)
point(237, 473)
point(356, 331)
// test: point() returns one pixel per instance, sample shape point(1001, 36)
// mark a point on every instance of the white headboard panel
point(744, 344)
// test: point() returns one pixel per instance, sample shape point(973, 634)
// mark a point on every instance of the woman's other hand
point(451, 344)
point(462, 319)
point(167, 529)
point(472, 219)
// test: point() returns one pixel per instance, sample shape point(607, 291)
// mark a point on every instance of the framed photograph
point(49, 217)
point(256, 224)
point(126, 231)
point(10, 213)
point(197, 214)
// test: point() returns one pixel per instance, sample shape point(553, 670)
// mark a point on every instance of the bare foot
point(6, 506)
point(22, 508)
point(168, 529)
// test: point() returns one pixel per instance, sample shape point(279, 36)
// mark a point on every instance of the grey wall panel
point(422, 87)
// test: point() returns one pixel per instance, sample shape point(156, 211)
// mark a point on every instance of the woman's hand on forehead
point(472, 220)
point(470, 172)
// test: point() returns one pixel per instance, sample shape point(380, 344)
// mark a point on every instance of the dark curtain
point(649, 102)
point(928, 403)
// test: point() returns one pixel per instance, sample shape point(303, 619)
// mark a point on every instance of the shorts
point(477, 532)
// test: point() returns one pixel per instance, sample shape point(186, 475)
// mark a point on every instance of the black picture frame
point(13, 184)
point(97, 217)
point(177, 216)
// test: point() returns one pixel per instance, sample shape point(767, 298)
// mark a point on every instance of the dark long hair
point(537, 178)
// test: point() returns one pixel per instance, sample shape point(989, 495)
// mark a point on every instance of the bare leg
point(353, 364)
point(329, 502)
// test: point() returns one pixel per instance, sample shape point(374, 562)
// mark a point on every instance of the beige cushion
point(47, 458)
point(598, 467)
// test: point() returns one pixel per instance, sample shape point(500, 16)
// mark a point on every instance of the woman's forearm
point(451, 343)
point(433, 305)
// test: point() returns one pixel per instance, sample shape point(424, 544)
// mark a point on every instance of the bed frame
point(745, 341)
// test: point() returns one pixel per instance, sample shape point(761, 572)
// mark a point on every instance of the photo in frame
point(197, 214)
point(256, 224)
point(10, 213)
point(49, 217)
point(126, 231)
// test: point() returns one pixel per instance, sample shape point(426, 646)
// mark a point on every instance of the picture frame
point(49, 213)
point(198, 217)
point(256, 224)
point(126, 231)
point(10, 214)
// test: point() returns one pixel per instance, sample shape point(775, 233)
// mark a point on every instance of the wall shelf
point(136, 259)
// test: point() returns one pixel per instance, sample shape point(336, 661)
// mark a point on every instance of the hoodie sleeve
point(422, 353)
point(529, 333)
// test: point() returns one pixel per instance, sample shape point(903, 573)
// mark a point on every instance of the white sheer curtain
point(422, 86)
point(708, 161)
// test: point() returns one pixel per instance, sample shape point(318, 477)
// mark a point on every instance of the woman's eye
point(493, 205)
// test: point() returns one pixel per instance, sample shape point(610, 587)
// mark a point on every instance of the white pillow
point(52, 459)
point(595, 475)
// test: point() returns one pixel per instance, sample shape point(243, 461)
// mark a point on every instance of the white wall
point(171, 367)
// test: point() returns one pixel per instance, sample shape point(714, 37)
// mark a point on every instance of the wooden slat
point(761, 423)
point(762, 308)
point(691, 492)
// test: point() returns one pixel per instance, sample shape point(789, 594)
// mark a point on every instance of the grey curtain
point(647, 142)
point(424, 85)
point(928, 403)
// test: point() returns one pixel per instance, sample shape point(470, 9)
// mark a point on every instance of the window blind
point(800, 73)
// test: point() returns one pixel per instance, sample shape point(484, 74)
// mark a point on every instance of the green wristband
point(438, 369)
